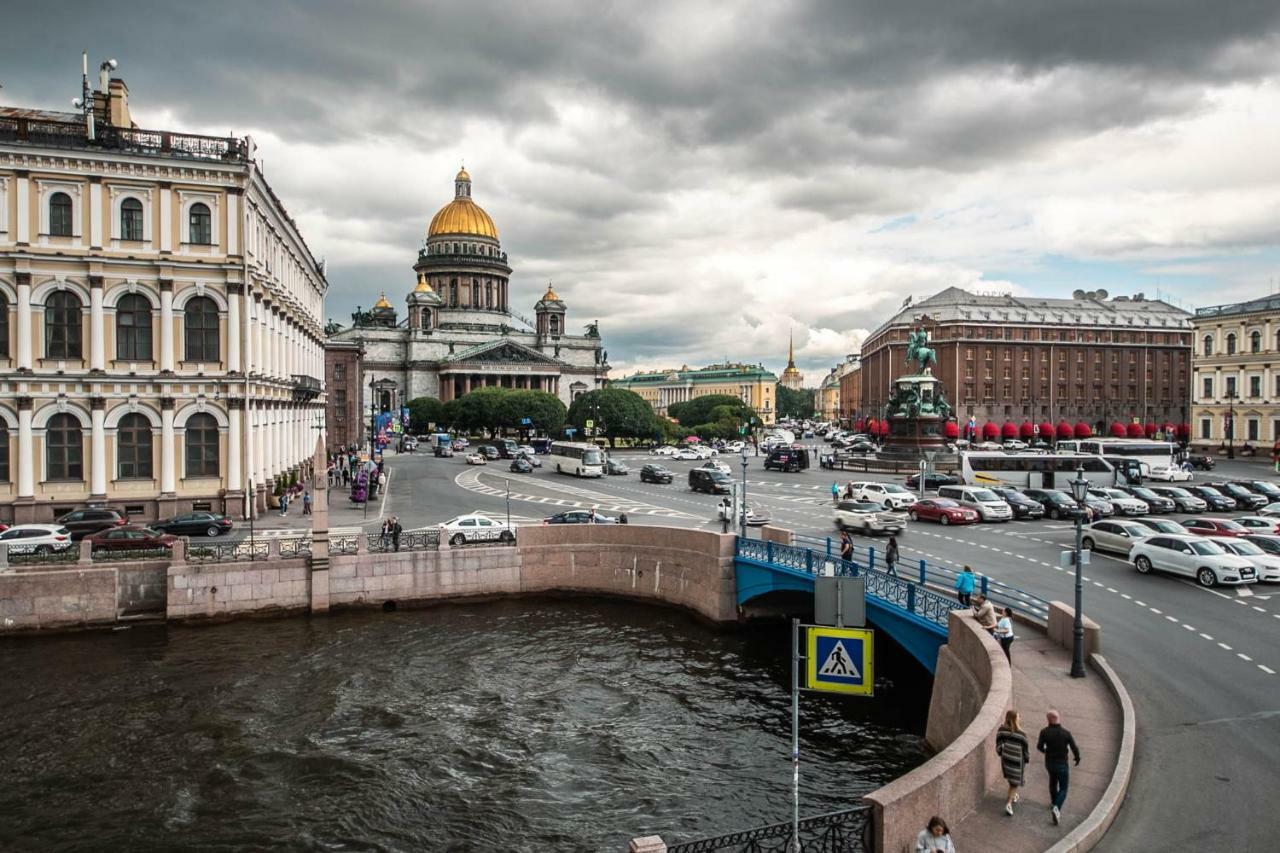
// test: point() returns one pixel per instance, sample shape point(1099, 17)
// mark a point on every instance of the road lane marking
point(1225, 646)
point(1243, 656)
point(1268, 670)
point(1207, 637)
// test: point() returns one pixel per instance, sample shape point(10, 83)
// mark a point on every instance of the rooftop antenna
point(85, 101)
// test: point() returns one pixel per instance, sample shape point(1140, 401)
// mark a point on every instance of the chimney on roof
point(118, 103)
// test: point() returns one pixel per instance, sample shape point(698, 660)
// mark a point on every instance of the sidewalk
point(1041, 681)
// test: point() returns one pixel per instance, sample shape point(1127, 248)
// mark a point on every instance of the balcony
point(127, 140)
point(306, 388)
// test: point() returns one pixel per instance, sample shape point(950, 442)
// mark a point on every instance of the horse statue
point(919, 351)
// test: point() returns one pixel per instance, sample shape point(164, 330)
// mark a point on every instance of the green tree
point(542, 408)
point(482, 409)
point(617, 413)
point(794, 404)
point(699, 409)
point(424, 411)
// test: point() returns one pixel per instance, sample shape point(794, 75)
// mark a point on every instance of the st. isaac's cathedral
point(459, 332)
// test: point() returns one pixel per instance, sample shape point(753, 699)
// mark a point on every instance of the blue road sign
point(840, 660)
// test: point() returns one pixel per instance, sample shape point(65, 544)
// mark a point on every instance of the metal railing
point(53, 558)
point(410, 540)
point(122, 555)
point(295, 546)
point(132, 140)
point(936, 575)
point(847, 831)
point(237, 552)
point(348, 544)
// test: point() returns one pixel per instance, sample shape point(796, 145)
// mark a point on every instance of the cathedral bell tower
point(549, 315)
point(423, 305)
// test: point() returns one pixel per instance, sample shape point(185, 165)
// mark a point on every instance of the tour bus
point(1148, 452)
point(577, 458)
point(1037, 470)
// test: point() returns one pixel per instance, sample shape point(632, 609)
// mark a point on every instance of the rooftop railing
point(129, 140)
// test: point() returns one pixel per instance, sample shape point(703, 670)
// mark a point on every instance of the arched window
point(201, 224)
point(131, 219)
point(4, 453)
point(64, 448)
point(553, 323)
point(453, 293)
point(200, 327)
point(133, 328)
point(202, 446)
point(1208, 344)
point(4, 327)
point(1231, 344)
point(62, 337)
point(60, 215)
point(1255, 342)
point(488, 294)
point(133, 448)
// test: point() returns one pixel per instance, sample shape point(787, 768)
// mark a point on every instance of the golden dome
point(550, 295)
point(382, 301)
point(422, 287)
point(462, 215)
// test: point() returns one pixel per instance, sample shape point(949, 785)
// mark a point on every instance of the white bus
point(579, 459)
point(1036, 470)
point(1149, 452)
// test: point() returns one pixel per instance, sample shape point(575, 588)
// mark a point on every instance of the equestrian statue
point(919, 351)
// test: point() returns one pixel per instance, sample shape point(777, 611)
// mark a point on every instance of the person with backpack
point(964, 586)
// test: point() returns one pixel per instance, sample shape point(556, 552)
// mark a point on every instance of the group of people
point(286, 500)
point(890, 552)
point(390, 532)
point(1013, 747)
point(996, 622)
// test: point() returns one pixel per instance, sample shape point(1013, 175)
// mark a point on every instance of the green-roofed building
point(751, 383)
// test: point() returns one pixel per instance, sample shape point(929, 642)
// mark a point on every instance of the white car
point(734, 447)
point(526, 450)
point(36, 538)
point(989, 445)
point(1125, 504)
point(1270, 510)
point(1168, 474)
point(891, 495)
point(714, 465)
point(868, 517)
point(1117, 536)
point(1014, 444)
point(1267, 565)
point(476, 459)
point(1259, 524)
point(1191, 556)
point(476, 527)
point(687, 454)
point(704, 452)
point(664, 450)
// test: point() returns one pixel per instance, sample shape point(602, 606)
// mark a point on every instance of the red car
point(943, 511)
point(1215, 527)
point(131, 537)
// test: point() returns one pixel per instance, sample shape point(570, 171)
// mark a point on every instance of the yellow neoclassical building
point(160, 338)
point(751, 383)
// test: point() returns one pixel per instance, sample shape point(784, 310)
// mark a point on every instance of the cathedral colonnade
point(457, 384)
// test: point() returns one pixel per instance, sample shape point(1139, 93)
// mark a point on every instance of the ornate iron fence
point(120, 555)
point(847, 831)
point(295, 546)
point(258, 549)
point(53, 558)
point(343, 544)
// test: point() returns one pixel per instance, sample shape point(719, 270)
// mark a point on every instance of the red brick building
point(1007, 358)
point(344, 378)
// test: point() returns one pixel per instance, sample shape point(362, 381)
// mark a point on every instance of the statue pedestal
point(916, 418)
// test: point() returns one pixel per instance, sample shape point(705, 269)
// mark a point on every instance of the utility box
point(840, 602)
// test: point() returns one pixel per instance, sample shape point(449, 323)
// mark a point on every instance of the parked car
point(1014, 444)
point(87, 521)
point(36, 538)
point(687, 454)
point(476, 527)
point(1217, 501)
point(1182, 499)
point(944, 511)
point(1270, 510)
point(932, 481)
point(664, 450)
point(476, 459)
point(868, 517)
point(1168, 474)
point(579, 516)
point(1244, 498)
point(1118, 536)
point(989, 505)
point(858, 448)
point(1056, 503)
point(655, 474)
point(131, 537)
point(734, 446)
point(1124, 503)
point(1191, 556)
point(613, 466)
point(1214, 527)
point(1201, 461)
point(1265, 541)
point(989, 445)
point(1265, 563)
point(891, 495)
point(1022, 506)
point(1259, 524)
point(1267, 489)
point(1162, 525)
point(1101, 508)
point(195, 524)
point(712, 482)
point(1155, 503)
point(520, 465)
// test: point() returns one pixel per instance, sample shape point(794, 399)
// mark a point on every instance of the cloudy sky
point(704, 177)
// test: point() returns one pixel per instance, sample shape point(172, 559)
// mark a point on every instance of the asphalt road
point(1200, 664)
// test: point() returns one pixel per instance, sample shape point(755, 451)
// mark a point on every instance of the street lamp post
point(1079, 491)
point(744, 491)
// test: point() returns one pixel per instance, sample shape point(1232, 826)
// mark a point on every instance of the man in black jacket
point(1054, 742)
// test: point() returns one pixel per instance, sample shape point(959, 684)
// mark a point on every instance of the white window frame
point(118, 193)
point(45, 189)
point(186, 198)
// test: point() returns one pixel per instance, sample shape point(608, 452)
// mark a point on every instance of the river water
point(524, 724)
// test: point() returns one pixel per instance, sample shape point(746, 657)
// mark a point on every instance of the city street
point(1200, 664)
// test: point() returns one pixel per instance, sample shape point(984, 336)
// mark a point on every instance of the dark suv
point(1022, 506)
point(86, 522)
point(712, 482)
point(1056, 504)
point(655, 474)
point(1244, 498)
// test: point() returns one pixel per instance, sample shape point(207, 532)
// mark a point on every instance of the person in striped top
point(1014, 752)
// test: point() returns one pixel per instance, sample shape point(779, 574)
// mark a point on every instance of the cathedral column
point(268, 445)
point(26, 449)
point(466, 384)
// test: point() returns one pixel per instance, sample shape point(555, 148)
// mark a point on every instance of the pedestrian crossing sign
point(839, 660)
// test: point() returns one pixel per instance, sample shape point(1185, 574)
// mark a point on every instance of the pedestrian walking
point(284, 503)
point(891, 556)
point(848, 490)
point(382, 479)
point(385, 533)
point(306, 503)
point(1004, 632)
point(985, 612)
point(964, 586)
point(846, 546)
point(1054, 742)
point(1014, 752)
point(396, 530)
point(935, 837)
point(835, 492)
